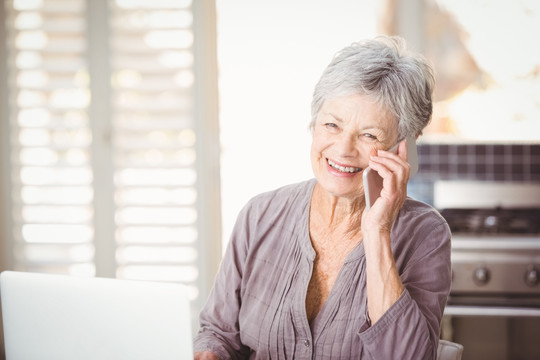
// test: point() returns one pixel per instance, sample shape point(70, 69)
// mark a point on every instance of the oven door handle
point(455, 310)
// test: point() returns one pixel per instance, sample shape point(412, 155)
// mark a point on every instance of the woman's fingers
point(389, 165)
point(394, 170)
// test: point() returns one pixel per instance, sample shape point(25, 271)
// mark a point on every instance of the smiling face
point(346, 132)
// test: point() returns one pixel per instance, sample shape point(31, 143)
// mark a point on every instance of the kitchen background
point(476, 162)
point(193, 107)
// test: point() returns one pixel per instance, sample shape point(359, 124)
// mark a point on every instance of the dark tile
point(434, 149)
point(535, 169)
point(424, 149)
point(444, 149)
point(480, 169)
point(499, 168)
point(461, 150)
point(444, 168)
point(424, 167)
point(480, 150)
point(498, 150)
point(516, 150)
point(517, 168)
point(462, 169)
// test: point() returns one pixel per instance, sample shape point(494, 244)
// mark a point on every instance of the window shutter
point(51, 173)
point(153, 138)
point(114, 154)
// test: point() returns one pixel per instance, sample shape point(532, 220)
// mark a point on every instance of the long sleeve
point(219, 331)
point(410, 328)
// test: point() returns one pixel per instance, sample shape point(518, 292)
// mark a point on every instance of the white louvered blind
point(106, 143)
point(51, 172)
point(153, 139)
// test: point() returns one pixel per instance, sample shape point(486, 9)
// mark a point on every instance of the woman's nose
point(347, 145)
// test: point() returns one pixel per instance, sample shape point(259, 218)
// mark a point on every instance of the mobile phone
point(373, 182)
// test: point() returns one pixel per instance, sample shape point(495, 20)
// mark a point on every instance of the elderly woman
point(310, 273)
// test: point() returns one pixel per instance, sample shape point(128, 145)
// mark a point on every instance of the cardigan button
point(306, 343)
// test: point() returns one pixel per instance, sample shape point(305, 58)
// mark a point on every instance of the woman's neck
point(337, 212)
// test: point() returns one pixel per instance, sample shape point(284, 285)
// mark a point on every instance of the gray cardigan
point(257, 307)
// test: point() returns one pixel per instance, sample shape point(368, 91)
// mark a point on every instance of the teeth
point(345, 169)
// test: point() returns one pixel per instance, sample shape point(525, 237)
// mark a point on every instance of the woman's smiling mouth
point(343, 169)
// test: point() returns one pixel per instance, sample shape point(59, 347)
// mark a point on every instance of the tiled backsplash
point(482, 162)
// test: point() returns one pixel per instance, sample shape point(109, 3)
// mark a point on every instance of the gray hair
point(399, 80)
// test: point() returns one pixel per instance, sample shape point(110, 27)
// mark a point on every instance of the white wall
point(271, 54)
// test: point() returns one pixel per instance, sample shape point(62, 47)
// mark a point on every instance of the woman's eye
point(331, 125)
point(369, 136)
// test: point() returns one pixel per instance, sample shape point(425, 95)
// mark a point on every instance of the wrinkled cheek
point(316, 156)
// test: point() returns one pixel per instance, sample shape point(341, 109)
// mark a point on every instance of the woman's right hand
point(205, 355)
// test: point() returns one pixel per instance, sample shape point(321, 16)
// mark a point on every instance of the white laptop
point(61, 317)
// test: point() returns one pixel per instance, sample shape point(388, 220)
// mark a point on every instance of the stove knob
point(491, 222)
point(481, 276)
point(532, 276)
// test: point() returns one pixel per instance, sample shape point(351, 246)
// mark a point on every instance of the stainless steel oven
point(494, 303)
